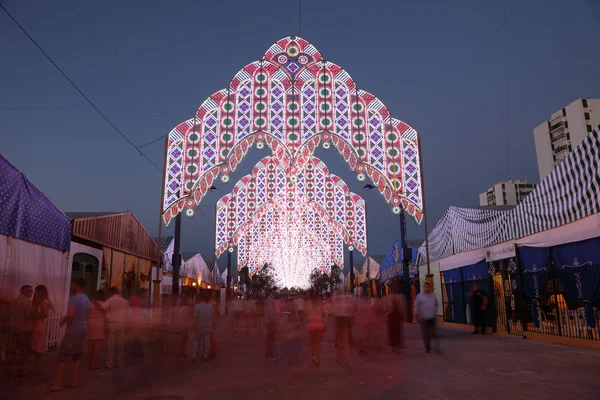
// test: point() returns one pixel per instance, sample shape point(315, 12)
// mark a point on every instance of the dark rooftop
point(92, 214)
point(165, 241)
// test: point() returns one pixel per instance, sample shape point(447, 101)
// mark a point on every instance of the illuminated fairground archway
point(307, 238)
point(292, 100)
point(312, 187)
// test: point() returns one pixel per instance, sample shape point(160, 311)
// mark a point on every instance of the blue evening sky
point(149, 64)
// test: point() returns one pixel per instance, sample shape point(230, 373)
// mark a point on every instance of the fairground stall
point(128, 252)
point(35, 238)
point(539, 261)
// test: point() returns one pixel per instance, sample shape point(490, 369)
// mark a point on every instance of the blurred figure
point(378, 321)
point(72, 343)
point(96, 333)
point(299, 306)
point(259, 315)
point(364, 323)
point(39, 313)
point(165, 323)
point(480, 303)
point(237, 313)
point(21, 327)
point(342, 313)
point(205, 315)
point(117, 314)
point(4, 328)
point(140, 326)
point(425, 309)
point(271, 316)
point(183, 322)
point(291, 340)
point(248, 307)
point(395, 320)
point(315, 315)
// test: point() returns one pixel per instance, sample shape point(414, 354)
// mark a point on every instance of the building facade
point(566, 128)
point(509, 193)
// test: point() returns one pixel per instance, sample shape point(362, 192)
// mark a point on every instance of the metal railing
point(555, 301)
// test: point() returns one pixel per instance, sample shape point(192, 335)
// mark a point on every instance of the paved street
point(471, 367)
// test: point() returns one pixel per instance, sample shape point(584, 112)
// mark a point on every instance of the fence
point(544, 298)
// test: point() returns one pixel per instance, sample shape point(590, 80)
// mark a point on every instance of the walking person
point(139, 324)
point(315, 316)
point(205, 314)
point(426, 310)
point(117, 314)
point(96, 329)
point(40, 310)
point(342, 314)
point(183, 323)
point(72, 343)
point(271, 316)
point(21, 327)
point(480, 304)
point(395, 320)
point(299, 304)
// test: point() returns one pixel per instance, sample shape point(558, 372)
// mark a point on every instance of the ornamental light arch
point(312, 188)
point(292, 100)
point(304, 235)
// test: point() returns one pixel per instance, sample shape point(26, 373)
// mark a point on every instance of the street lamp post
point(351, 257)
point(176, 256)
point(228, 274)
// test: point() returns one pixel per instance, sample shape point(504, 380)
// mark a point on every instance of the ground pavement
point(471, 367)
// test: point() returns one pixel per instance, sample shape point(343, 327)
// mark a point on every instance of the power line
point(487, 45)
point(152, 142)
point(90, 32)
point(79, 90)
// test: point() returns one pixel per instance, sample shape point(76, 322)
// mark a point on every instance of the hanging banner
point(500, 252)
point(392, 267)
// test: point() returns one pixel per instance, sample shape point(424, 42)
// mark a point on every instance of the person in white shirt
point(425, 308)
point(117, 314)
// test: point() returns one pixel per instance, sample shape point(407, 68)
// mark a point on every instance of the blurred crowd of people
point(356, 322)
point(108, 322)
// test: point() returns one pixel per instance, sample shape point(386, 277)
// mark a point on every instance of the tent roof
point(165, 241)
point(91, 214)
point(568, 194)
point(27, 214)
point(378, 258)
point(187, 255)
point(211, 264)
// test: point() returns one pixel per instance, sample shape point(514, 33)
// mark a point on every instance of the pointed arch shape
point(292, 100)
point(322, 245)
point(312, 187)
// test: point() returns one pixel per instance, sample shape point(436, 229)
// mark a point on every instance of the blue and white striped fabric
point(571, 192)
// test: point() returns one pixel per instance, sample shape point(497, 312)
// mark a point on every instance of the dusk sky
point(148, 65)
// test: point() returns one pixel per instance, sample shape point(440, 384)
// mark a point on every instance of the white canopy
point(370, 270)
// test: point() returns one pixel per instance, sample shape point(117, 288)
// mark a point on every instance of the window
point(584, 102)
point(553, 157)
point(566, 124)
point(568, 136)
point(589, 128)
point(587, 116)
point(565, 112)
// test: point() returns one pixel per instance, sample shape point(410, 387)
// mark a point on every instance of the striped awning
point(571, 192)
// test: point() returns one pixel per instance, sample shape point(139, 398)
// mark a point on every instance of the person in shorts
point(72, 343)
